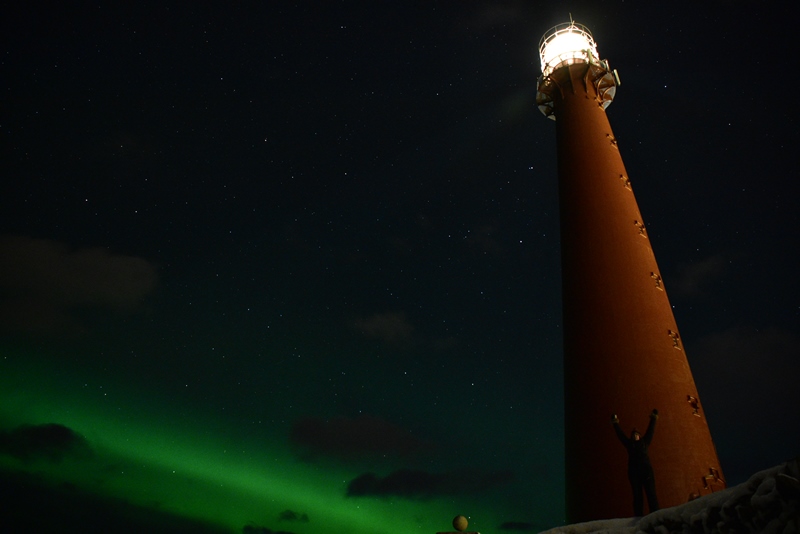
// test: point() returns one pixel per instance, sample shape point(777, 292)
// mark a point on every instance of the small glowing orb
point(460, 523)
point(566, 44)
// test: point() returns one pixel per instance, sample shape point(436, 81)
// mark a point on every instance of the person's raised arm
point(620, 434)
point(651, 428)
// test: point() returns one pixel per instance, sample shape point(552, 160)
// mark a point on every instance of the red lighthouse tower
point(623, 353)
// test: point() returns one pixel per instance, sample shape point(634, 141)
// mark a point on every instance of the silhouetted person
point(640, 472)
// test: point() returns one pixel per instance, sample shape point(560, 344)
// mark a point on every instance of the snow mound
point(768, 503)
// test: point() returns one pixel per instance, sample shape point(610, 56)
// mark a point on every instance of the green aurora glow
point(165, 458)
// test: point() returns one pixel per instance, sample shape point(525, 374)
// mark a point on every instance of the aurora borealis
point(172, 455)
point(294, 267)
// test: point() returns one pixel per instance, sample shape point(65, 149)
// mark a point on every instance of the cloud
point(353, 439)
point(30, 504)
point(495, 15)
point(693, 277)
point(391, 327)
point(44, 283)
point(255, 529)
point(51, 442)
point(413, 484)
point(747, 378)
point(749, 363)
point(291, 515)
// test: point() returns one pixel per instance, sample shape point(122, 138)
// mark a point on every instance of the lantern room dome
point(566, 44)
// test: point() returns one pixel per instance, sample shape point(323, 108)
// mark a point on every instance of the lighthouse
point(623, 352)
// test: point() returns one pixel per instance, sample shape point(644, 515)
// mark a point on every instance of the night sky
point(294, 267)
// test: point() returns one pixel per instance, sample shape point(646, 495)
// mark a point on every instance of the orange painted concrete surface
point(622, 349)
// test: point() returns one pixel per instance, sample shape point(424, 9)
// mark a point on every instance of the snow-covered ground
point(767, 503)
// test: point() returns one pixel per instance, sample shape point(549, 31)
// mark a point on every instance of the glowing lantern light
point(566, 44)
